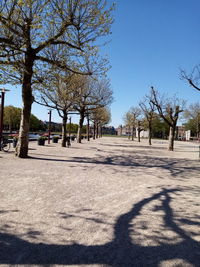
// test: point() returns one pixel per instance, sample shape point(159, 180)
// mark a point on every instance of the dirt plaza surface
point(107, 202)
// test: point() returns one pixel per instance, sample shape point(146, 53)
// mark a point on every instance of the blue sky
point(151, 40)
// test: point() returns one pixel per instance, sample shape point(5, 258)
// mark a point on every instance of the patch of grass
point(117, 136)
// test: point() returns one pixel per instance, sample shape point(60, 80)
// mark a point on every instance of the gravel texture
point(107, 202)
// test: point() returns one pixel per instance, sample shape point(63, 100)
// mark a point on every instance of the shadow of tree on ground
point(175, 166)
point(123, 250)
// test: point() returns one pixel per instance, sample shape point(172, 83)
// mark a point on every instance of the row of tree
point(155, 107)
point(45, 43)
point(74, 93)
point(99, 117)
point(12, 116)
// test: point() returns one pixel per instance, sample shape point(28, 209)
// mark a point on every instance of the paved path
point(110, 202)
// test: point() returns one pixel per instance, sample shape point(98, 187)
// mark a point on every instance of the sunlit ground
point(107, 202)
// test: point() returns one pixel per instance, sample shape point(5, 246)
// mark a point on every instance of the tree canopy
point(36, 33)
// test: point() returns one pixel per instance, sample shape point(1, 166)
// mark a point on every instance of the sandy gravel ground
point(109, 202)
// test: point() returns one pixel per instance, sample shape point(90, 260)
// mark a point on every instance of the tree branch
point(67, 43)
point(6, 40)
point(53, 39)
point(192, 84)
point(60, 65)
point(9, 27)
point(15, 63)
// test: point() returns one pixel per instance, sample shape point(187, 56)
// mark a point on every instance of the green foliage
point(192, 116)
point(160, 128)
point(74, 128)
point(193, 125)
point(36, 124)
point(84, 129)
point(12, 116)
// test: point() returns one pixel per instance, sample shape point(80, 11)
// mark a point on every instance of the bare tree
point(193, 78)
point(131, 119)
point(31, 30)
point(140, 127)
point(57, 91)
point(127, 118)
point(149, 112)
point(100, 117)
point(169, 110)
point(91, 95)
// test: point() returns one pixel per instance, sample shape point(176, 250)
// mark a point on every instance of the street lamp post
point(49, 128)
point(3, 90)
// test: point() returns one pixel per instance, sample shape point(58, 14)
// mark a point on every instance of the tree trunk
point(27, 99)
point(94, 130)
point(139, 134)
point(97, 130)
point(100, 131)
point(132, 134)
point(88, 129)
point(80, 127)
point(150, 133)
point(139, 130)
point(129, 133)
point(64, 130)
point(172, 131)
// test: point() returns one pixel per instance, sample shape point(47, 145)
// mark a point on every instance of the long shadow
point(151, 148)
point(121, 251)
point(132, 145)
point(175, 166)
point(7, 211)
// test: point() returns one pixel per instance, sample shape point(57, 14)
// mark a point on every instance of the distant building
point(180, 131)
point(126, 131)
point(143, 133)
point(123, 130)
point(188, 135)
point(109, 130)
point(182, 134)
